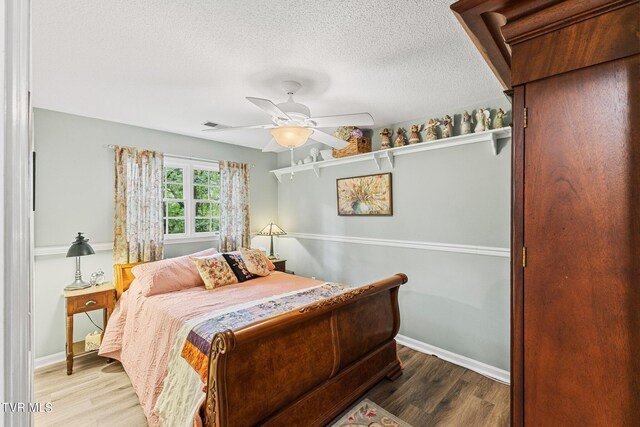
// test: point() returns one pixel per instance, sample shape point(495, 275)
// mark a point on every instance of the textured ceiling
point(172, 65)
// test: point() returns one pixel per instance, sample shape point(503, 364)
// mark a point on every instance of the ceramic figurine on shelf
point(483, 120)
point(432, 130)
point(465, 125)
point(385, 141)
point(447, 124)
point(414, 136)
point(307, 159)
point(499, 121)
point(400, 141)
point(479, 120)
point(314, 153)
point(487, 119)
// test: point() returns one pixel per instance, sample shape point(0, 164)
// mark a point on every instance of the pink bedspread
point(142, 330)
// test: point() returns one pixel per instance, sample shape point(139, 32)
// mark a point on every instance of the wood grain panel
point(602, 38)
point(366, 321)
point(582, 281)
point(320, 407)
point(534, 23)
point(268, 368)
point(517, 271)
point(89, 302)
point(258, 365)
point(123, 277)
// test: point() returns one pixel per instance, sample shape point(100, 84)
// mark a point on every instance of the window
point(191, 199)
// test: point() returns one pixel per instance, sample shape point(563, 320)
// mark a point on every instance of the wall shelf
point(382, 157)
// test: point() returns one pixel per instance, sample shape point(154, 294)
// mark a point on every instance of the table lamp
point(80, 247)
point(271, 230)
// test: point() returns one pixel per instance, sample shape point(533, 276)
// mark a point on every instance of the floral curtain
point(138, 222)
point(234, 206)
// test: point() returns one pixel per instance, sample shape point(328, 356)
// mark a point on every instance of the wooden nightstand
point(83, 300)
point(280, 264)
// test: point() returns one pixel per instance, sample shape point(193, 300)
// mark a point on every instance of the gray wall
point(74, 192)
point(460, 195)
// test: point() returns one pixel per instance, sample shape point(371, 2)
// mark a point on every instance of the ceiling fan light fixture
point(291, 136)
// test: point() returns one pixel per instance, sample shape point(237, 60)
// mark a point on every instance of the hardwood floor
point(96, 394)
point(430, 392)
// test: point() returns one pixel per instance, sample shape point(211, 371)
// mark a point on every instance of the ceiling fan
point(292, 124)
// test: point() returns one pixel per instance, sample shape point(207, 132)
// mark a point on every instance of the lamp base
point(77, 284)
point(272, 257)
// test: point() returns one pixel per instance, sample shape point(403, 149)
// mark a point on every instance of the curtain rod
point(178, 156)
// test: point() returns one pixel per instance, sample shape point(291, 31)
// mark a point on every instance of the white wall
point(74, 192)
point(455, 196)
point(2, 204)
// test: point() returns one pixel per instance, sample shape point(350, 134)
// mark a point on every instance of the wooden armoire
point(572, 69)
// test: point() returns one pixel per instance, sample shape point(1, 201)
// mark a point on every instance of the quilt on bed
point(142, 331)
point(198, 342)
point(148, 335)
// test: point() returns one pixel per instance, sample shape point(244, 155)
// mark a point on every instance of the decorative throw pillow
point(268, 261)
point(254, 260)
point(237, 265)
point(215, 271)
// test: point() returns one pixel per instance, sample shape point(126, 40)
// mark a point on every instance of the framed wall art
point(367, 195)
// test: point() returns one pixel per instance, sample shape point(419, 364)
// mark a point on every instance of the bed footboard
point(305, 367)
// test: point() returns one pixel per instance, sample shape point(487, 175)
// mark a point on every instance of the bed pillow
point(215, 271)
point(169, 275)
point(268, 261)
point(254, 260)
point(237, 265)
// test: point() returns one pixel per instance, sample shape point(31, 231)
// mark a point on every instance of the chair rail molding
point(410, 244)
point(62, 250)
point(40, 251)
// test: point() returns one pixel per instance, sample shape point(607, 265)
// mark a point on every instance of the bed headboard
point(123, 277)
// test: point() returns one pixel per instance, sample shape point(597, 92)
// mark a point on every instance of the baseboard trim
point(482, 368)
point(51, 359)
point(432, 246)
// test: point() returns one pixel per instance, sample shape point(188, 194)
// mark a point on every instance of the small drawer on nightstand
point(88, 302)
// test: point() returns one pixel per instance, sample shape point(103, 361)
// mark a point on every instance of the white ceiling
point(174, 64)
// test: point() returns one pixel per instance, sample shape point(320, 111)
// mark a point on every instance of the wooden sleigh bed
point(314, 361)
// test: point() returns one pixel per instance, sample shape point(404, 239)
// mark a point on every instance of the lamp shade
point(272, 230)
point(80, 247)
point(291, 136)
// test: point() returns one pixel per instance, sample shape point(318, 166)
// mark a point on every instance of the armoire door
point(582, 238)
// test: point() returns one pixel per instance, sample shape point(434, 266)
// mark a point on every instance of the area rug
point(368, 414)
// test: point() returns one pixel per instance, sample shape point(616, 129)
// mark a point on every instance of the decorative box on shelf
point(356, 146)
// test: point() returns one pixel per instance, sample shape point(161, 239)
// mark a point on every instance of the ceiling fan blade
point(271, 146)
point(329, 140)
point(269, 107)
point(223, 128)
point(359, 119)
